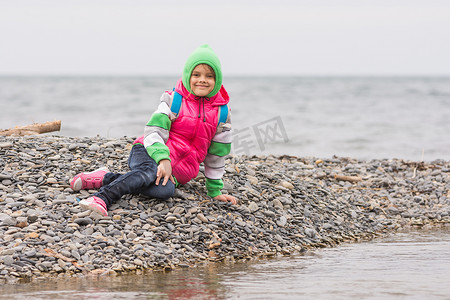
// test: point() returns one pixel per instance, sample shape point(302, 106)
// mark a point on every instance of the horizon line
point(228, 75)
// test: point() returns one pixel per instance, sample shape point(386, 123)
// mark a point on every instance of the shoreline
point(287, 205)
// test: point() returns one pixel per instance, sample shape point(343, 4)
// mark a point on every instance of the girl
point(174, 143)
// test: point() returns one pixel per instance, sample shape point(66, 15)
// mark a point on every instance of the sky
point(251, 37)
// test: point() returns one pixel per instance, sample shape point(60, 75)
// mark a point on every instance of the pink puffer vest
point(192, 132)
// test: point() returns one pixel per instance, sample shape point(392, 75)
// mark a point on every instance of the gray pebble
point(5, 176)
point(83, 221)
point(94, 147)
point(310, 232)
point(7, 220)
point(282, 221)
point(6, 182)
point(4, 145)
point(253, 207)
point(8, 260)
point(30, 253)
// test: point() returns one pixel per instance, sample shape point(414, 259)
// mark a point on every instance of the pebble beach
point(286, 205)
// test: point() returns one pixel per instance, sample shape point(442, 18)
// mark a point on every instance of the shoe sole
point(78, 183)
point(93, 208)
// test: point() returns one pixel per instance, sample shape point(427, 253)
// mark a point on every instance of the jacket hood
point(219, 98)
point(203, 55)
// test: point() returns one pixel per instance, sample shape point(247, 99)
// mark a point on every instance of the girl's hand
point(226, 198)
point(164, 171)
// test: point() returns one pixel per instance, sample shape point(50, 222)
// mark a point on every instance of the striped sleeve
point(215, 159)
point(156, 131)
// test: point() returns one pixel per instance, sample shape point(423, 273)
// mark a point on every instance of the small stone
point(6, 182)
point(94, 147)
point(8, 260)
point(269, 213)
point(33, 235)
point(287, 185)
point(10, 251)
point(240, 223)
point(75, 254)
point(282, 221)
point(252, 206)
point(253, 180)
point(83, 221)
point(7, 220)
point(22, 224)
point(29, 198)
point(192, 210)
point(57, 269)
point(5, 176)
point(202, 218)
point(61, 264)
point(52, 180)
point(30, 253)
point(6, 145)
point(327, 226)
point(171, 219)
point(179, 210)
point(227, 186)
point(277, 204)
point(132, 235)
point(17, 214)
point(230, 170)
point(310, 232)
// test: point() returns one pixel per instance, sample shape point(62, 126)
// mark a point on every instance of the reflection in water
point(195, 283)
point(411, 265)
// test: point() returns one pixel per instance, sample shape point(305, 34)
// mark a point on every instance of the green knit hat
point(203, 55)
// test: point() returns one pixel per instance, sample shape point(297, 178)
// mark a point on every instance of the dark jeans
point(140, 180)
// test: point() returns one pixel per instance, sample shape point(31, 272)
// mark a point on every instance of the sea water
point(360, 117)
point(408, 265)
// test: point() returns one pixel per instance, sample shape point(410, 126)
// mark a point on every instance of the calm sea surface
point(412, 265)
point(361, 117)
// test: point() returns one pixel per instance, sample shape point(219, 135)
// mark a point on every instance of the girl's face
point(202, 81)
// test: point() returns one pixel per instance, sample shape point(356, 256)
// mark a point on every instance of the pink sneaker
point(95, 204)
point(90, 180)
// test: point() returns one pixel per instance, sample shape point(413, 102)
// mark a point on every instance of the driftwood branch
point(35, 128)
